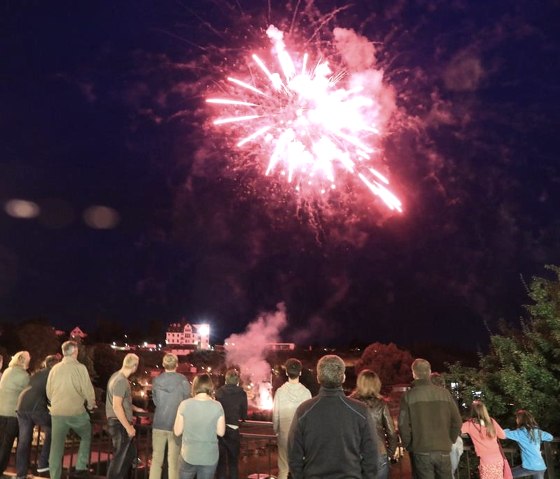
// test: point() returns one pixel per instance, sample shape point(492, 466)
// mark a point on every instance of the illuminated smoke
point(248, 350)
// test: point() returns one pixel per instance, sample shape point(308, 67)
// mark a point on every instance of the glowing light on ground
point(311, 126)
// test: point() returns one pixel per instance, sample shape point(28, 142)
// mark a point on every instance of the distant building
point(183, 335)
point(77, 334)
point(281, 346)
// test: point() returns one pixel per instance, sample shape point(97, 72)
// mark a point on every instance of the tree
point(522, 369)
point(203, 358)
point(106, 361)
point(39, 338)
point(390, 363)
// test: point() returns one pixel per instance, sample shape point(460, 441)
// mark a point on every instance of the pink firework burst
point(314, 124)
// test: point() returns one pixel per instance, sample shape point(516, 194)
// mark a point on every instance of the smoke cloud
point(356, 51)
point(248, 350)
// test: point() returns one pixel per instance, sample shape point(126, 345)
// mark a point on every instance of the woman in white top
point(199, 421)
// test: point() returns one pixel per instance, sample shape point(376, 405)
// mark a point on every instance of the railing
point(258, 458)
point(468, 466)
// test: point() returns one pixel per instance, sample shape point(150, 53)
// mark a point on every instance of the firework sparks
point(312, 127)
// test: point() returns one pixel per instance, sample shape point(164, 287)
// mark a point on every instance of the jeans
point(8, 433)
point(520, 471)
point(432, 465)
point(81, 425)
point(124, 452)
point(282, 442)
point(26, 422)
point(190, 471)
point(160, 439)
point(382, 467)
point(229, 445)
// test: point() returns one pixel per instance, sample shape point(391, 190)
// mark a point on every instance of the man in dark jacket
point(234, 401)
point(429, 423)
point(332, 436)
point(32, 410)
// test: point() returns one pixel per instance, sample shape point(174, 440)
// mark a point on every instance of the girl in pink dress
point(484, 433)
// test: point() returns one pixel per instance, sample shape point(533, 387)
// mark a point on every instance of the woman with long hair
point(199, 421)
point(529, 437)
point(368, 390)
point(484, 433)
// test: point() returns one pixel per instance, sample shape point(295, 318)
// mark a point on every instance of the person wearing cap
point(286, 400)
point(32, 410)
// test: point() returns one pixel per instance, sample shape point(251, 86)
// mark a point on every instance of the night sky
point(102, 104)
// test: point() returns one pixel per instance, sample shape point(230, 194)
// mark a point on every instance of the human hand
point(131, 431)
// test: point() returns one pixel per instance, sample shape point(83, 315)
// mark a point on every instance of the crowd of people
point(330, 435)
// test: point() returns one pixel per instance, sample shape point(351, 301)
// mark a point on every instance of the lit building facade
point(185, 334)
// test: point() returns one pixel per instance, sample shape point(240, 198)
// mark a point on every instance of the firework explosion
point(314, 125)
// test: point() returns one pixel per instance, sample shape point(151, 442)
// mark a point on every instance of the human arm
point(49, 387)
point(221, 426)
point(178, 426)
point(155, 392)
point(500, 434)
point(512, 434)
point(121, 416)
point(405, 430)
point(390, 433)
point(459, 445)
point(455, 419)
point(244, 407)
point(296, 449)
point(86, 388)
point(276, 414)
point(22, 381)
point(368, 448)
point(546, 436)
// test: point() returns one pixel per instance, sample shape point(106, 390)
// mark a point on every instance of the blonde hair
point(130, 360)
point(169, 361)
point(19, 359)
point(368, 385)
point(479, 414)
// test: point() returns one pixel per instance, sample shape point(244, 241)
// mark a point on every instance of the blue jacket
point(168, 390)
point(531, 458)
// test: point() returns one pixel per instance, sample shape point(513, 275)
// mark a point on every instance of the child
point(529, 437)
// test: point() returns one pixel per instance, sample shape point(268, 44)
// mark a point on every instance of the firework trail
point(316, 127)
